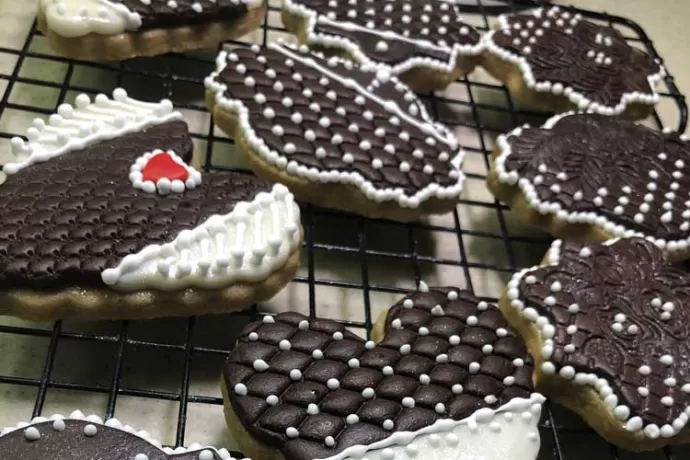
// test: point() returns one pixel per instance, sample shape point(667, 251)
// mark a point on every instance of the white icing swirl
point(507, 433)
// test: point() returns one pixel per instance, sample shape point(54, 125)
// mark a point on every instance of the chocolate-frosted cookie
point(609, 325)
point(591, 177)
point(448, 380)
point(555, 60)
point(425, 43)
point(77, 437)
point(122, 29)
point(102, 215)
point(336, 134)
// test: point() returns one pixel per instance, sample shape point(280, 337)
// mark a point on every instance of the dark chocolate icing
point(426, 328)
point(427, 30)
point(570, 59)
point(313, 95)
point(73, 444)
point(595, 152)
point(158, 13)
point(621, 278)
point(64, 221)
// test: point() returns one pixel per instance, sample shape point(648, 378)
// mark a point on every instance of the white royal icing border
point(76, 18)
point(247, 244)
point(32, 434)
point(601, 385)
point(74, 128)
point(452, 439)
point(579, 100)
point(528, 190)
point(163, 186)
point(276, 158)
point(313, 17)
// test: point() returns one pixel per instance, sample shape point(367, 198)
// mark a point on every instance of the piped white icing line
point(578, 99)
point(276, 158)
point(247, 244)
point(87, 123)
point(162, 186)
point(601, 385)
point(507, 433)
point(59, 421)
point(529, 191)
point(323, 39)
point(76, 18)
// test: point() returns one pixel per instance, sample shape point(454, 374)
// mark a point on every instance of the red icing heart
point(162, 165)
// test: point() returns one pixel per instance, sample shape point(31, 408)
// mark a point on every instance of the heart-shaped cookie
point(610, 325)
point(77, 437)
point(449, 378)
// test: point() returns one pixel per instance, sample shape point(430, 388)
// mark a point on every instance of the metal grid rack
point(179, 76)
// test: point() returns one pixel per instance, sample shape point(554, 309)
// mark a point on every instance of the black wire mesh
point(198, 345)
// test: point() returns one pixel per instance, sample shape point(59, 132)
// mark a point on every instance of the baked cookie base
point(581, 399)
point(343, 197)
point(151, 42)
point(103, 303)
point(419, 79)
point(511, 75)
point(512, 196)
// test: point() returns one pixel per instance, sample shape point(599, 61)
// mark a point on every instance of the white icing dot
point(387, 370)
point(644, 392)
point(317, 354)
point(291, 432)
point(272, 400)
point(518, 362)
point(667, 401)
point(253, 336)
point(454, 340)
point(388, 424)
point(408, 402)
point(474, 367)
point(32, 434)
point(338, 335)
point(241, 389)
point(90, 430)
point(284, 345)
point(368, 393)
point(333, 384)
point(352, 419)
point(303, 325)
point(666, 360)
point(645, 370)
point(329, 441)
point(59, 425)
point(295, 374)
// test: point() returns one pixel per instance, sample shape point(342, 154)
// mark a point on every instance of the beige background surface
point(78, 362)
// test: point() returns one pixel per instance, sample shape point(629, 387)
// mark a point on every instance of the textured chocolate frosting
point(68, 440)
point(394, 31)
point(562, 48)
point(322, 123)
point(164, 13)
point(631, 175)
point(64, 221)
point(631, 325)
point(445, 355)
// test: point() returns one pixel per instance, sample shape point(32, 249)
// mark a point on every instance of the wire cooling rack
point(163, 375)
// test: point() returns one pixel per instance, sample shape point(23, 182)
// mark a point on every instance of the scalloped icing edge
point(600, 385)
point(557, 89)
point(529, 192)
point(117, 425)
point(255, 238)
point(312, 174)
point(328, 40)
point(484, 416)
point(90, 122)
point(77, 18)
